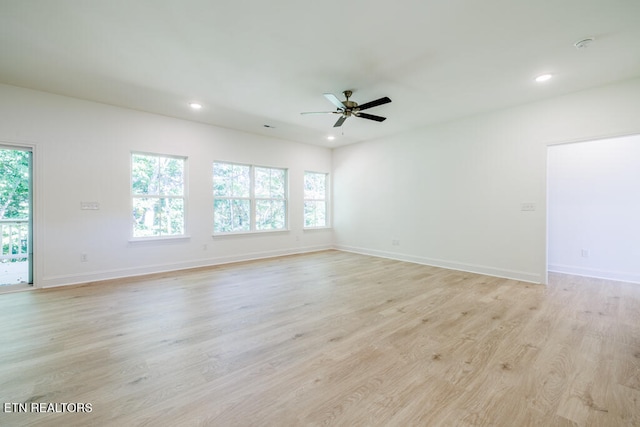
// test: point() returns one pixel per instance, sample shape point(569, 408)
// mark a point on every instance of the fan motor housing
point(350, 104)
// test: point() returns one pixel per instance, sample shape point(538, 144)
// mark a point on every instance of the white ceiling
point(257, 62)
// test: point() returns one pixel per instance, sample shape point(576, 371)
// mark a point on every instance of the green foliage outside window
point(232, 197)
point(14, 203)
point(270, 191)
point(14, 184)
point(248, 198)
point(158, 195)
point(315, 199)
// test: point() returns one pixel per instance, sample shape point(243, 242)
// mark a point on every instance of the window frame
point(253, 199)
point(183, 197)
point(230, 198)
point(326, 200)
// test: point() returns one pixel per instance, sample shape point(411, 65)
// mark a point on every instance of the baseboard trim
point(595, 273)
point(97, 276)
point(521, 276)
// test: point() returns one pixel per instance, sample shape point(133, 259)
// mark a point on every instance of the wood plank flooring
point(329, 338)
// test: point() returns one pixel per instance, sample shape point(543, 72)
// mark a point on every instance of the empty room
point(295, 213)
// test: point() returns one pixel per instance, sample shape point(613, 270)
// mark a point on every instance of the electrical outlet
point(395, 242)
point(585, 253)
point(84, 257)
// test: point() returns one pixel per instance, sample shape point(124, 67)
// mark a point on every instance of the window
point(231, 197)
point(248, 198)
point(271, 203)
point(315, 200)
point(158, 193)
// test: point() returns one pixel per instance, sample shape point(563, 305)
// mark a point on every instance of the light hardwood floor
point(328, 338)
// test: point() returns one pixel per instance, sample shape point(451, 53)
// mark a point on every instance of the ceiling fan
point(349, 108)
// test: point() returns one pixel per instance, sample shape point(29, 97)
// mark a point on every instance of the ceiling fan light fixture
point(348, 108)
point(331, 137)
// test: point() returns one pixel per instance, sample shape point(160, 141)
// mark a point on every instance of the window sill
point(317, 228)
point(159, 239)
point(250, 233)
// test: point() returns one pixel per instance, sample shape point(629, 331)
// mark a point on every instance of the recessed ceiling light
point(543, 78)
point(195, 105)
point(331, 137)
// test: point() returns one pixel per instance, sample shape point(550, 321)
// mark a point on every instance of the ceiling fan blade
point(375, 103)
point(322, 112)
point(371, 117)
point(334, 100)
point(340, 121)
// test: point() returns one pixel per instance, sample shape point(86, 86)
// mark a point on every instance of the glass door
point(16, 253)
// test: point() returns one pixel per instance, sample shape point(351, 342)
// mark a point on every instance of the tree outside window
point(315, 200)
point(231, 197)
point(14, 184)
point(158, 192)
point(14, 204)
point(248, 198)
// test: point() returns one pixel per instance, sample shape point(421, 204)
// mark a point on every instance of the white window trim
point(252, 202)
point(185, 186)
point(327, 202)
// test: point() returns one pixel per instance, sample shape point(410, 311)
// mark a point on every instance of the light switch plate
point(89, 206)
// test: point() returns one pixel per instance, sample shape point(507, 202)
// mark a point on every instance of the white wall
point(82, 153)
point(594, 208)
point(451, 195)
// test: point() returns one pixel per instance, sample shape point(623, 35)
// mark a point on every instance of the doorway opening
point(16, 218)
point(593, 207)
